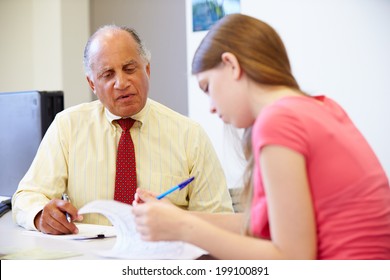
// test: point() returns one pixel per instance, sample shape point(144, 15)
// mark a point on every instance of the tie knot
point(126, 124)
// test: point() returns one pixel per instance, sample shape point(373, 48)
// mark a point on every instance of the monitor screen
point(20, 135)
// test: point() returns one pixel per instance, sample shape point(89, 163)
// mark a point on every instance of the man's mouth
point(126, 96)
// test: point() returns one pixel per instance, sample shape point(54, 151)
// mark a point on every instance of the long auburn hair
point(262, 56)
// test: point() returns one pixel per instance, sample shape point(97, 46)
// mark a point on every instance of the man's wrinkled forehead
point(111, 44)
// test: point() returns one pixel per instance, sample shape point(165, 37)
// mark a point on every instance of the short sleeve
point(279, 125)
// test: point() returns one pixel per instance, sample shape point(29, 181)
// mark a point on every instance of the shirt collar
point(140, 116)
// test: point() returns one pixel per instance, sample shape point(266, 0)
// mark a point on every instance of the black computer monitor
point(24, 118)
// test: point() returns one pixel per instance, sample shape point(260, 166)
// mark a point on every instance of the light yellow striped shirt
point(78, 155)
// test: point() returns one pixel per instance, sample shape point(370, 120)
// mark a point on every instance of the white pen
point(66, 198)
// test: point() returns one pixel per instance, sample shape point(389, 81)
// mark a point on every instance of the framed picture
point(206, 12)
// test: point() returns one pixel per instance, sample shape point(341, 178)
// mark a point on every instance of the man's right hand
point(52, 219)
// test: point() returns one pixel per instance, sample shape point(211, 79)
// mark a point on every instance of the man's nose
point(121, 81)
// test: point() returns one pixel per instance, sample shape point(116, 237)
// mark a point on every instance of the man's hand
point(52, 219)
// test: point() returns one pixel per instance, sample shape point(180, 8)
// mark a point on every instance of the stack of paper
point(129, 244)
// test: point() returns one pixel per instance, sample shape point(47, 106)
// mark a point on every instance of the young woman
point(314, 187)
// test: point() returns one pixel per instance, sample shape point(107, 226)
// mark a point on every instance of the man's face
point(119, 75)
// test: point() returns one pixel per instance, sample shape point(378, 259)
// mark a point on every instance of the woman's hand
point(140, 193)
point(157, 220)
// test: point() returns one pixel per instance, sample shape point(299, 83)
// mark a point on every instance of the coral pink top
point(349, 187)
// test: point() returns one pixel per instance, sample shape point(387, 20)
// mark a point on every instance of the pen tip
point(186, 182)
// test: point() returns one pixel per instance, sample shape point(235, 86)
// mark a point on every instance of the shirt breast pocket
point(160, 183)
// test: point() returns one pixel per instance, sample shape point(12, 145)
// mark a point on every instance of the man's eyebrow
point(102, 70)
point(131, 62)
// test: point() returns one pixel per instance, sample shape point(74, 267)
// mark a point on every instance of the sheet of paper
point(2, 198)
point(86, 231)
point(129, 244)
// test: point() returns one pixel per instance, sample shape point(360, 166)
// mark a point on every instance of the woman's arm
point(233, 222)
point(290, 206)
point(230, 221)
point(290, 210)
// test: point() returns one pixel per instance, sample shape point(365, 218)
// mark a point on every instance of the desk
point(13, 240)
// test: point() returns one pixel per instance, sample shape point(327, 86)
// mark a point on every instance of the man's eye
point(130, 70)
point(106, 74)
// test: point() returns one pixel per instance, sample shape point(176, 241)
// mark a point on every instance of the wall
point(338, 48)
point(75, 32)
point(16, 48)
point(42, 45)
point(161, 24)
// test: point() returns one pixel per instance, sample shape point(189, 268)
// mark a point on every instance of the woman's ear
point(230, 60)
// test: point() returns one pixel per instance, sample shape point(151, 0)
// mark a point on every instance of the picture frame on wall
point(206, 12)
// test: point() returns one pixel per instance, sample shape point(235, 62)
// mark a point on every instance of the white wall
point(338, 48)
point(75, 30)
point(16, 45)
point(198, 105)
point(42, 45)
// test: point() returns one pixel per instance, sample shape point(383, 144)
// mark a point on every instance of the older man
point(78, 154)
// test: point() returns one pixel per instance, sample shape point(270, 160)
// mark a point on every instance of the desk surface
point(14, 240)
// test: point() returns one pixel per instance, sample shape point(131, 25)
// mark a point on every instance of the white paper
point(129, 244)
point(86, 231)
point(3, 198)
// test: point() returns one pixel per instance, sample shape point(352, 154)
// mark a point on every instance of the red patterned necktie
point(126, 177)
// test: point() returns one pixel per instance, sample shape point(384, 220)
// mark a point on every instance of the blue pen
point(178, 187)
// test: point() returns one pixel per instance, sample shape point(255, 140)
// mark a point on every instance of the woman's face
point(228, 98)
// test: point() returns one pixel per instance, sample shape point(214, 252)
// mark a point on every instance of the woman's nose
point(213, 109)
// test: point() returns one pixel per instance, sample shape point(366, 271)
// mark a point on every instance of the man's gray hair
point(143, 51)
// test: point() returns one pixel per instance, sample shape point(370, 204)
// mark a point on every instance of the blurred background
point(337, 48)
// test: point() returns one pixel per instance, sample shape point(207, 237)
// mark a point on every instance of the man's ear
point(91, 84)
point(231, 61)
point(148, 70)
